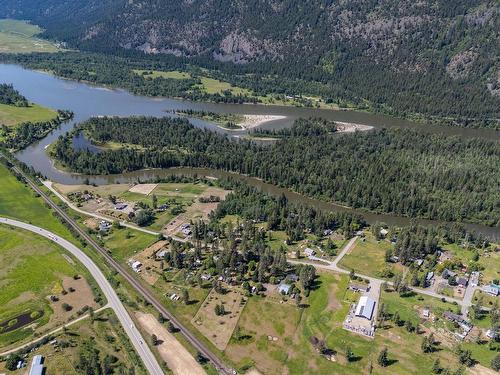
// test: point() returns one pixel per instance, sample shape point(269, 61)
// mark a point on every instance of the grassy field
point(327, 306)
point(408, 307)
point(214, 86)
point(124, 243)
point(17, 201)
point(11, 115)
point(20, 37)
point(368, 257)
point(489, 260)
point(174, 74)
point(32, 268)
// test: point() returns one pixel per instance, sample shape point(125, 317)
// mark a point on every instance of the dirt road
point(178, 359)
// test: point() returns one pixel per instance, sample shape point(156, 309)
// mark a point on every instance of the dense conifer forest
point(10, 96)
point(389, 170)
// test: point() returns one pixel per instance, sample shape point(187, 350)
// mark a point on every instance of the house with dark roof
point(462, 281)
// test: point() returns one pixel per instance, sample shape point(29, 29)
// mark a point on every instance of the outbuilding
point(365, 307)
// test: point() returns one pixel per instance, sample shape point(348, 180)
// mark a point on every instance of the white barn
point(365, 307)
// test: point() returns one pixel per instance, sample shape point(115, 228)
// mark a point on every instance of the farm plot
point(216, 323)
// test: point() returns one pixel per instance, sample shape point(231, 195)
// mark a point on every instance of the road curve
point(49, 185)
point(114, 302)
point(219, 365)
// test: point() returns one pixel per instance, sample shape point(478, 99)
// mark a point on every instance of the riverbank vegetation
point(225, 120)
point(22, 122)
point(396, 171)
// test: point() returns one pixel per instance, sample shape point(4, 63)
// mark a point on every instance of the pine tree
point(383, 359)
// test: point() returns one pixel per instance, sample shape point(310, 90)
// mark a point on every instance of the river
point(87, 100)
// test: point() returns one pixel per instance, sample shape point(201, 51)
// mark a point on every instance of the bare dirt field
point(80, 297)
point(178, 359)
point(144, 189)
point(219, 329)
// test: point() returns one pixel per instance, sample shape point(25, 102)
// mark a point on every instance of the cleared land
point(32, 270)
point(219, 329)
point(293, 327)
point(368, 257)
point(11, 115)
point(151, 74)
point(173, 200)
point(489, 259)
point(20, 37)
point(178, 359)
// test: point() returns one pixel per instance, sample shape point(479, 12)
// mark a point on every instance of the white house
point(136, 266)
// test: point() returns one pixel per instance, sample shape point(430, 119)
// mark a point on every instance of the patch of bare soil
point(481, 370)
point(178, 359)
point(92, 223)
point(333, 302)
point(80, 297)
point(144, 189)
point(219, 329)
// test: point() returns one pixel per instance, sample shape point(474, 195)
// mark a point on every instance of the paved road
point(7, 352)
point(114, 302)
point(333, 266)
point(50, 186)
point(139, 288)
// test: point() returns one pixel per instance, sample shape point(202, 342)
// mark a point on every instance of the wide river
point(86, 101)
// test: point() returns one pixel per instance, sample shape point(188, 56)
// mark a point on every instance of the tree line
point(10, 96)
point(398, 171)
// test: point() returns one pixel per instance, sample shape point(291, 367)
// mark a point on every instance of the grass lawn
point(327, 307)
point(32, 267)
point(18, 201)
point(214, 86)
point(490, 261)
point(11, 115)
point(125, 242)
point(20, 37)
point(407, 307)
point(368, 257)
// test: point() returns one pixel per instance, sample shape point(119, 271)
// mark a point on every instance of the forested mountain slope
point(432, 57)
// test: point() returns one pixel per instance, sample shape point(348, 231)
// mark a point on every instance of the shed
point(365, 307)
point(309, 252)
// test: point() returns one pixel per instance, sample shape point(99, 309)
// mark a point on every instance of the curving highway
point(147, 294)
point(114, 302)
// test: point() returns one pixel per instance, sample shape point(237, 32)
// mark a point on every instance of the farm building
point(492, 289)
point(136, 266)
point(365, 307)
point(36, 365)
